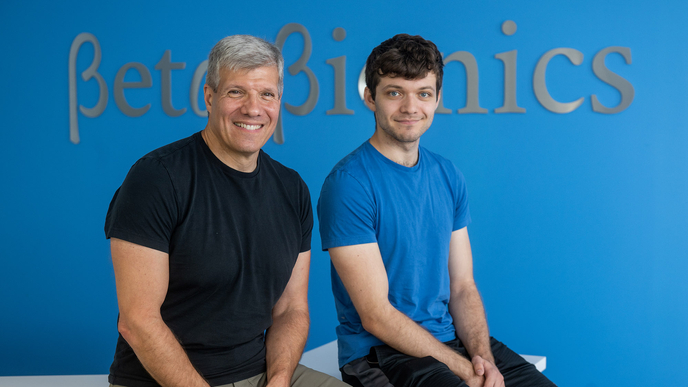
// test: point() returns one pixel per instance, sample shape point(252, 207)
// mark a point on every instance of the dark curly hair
point(411, 57)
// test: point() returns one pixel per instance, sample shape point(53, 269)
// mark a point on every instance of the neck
point(402, 153)
point(231, 158)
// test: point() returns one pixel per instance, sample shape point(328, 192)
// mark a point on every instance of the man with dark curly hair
point(393, 216)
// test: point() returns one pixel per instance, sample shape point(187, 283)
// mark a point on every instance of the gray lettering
point(440, 106)
point(90, 72)
point(166, 66)
point(540, 85)
point(339, 65)
point(509, 27)
point(196, 88)
point(339, 34)
point(509, 60)
point(297, 67)
point(120, 85)
point(471, 66)
point(623, 86)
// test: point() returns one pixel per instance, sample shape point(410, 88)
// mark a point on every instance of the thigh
point(253, 381)
point(408, 371)
point(306, 377)
point(363, 373)
point(516, 370)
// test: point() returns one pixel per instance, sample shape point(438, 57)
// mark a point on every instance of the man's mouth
point(407, 121)
point(247, 126)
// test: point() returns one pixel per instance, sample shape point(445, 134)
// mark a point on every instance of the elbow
point(369, 326)
point(133, 330)
point(125, 328)
point(374, 323)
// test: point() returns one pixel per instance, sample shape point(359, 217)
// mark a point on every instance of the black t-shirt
point(232, 238)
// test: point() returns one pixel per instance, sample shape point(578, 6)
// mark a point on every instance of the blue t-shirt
point(410, 213)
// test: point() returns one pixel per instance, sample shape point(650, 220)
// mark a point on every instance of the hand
point(482, 367)
point(475, 381)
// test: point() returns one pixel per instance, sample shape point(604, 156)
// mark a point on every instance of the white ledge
point(324, 359)
point(55, 381)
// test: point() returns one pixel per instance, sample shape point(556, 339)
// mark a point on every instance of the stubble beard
point(385, 126)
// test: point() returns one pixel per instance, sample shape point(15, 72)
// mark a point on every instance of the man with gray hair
point(210, 242)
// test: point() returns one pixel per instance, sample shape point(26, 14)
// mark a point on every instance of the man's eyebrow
point(392, 86)
point(228, 86)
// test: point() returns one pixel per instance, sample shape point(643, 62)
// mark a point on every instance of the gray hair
point(243, 52)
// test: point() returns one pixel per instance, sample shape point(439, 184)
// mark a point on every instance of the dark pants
point(387, 367)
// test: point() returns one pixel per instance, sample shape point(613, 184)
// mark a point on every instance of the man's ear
point(208, 97)
point(368, 99)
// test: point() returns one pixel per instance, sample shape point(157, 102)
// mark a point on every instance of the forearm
point(161, 354)
point(466, 308)
point(403, 334)
point(284, 343)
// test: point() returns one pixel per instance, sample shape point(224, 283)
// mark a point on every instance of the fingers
point(476, 381)
point(493, 378)
point(478, 365)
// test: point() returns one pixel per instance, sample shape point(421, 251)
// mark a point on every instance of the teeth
point(249, 127)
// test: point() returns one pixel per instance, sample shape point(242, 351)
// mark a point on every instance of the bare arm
point(363, 273)
point(466, 308)
point(142, 278)
point(465, 304)
point(287, 336)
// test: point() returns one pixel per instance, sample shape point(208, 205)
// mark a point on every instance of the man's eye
point(394, 93)
point(425, 95)
point(234, 92)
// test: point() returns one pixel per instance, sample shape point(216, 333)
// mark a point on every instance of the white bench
point(323, 359)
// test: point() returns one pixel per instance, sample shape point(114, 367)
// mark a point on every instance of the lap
point(303, 377)
point(514, 368)
point(385, 367)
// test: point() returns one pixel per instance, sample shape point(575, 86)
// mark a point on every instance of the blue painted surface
point(580, 219)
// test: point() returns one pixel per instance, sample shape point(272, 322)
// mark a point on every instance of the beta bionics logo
point(509, 59)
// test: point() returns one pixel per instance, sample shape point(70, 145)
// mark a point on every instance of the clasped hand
point(486, 374)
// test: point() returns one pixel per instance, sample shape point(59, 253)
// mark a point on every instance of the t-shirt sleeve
point(346, 212)
point(462, 215)
point(306, 218)
point(144, 209)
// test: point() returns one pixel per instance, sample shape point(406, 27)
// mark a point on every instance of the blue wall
point(580, 219)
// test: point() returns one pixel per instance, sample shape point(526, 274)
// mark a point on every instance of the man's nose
point(409, 105)
point(251, 105)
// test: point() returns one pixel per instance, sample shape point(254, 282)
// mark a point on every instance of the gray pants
point(303, 377)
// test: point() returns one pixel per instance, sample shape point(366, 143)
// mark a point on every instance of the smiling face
point(403, 108)
point(242, 114)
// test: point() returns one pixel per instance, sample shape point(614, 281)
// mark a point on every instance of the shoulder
point(282, 175)
point(350, 184)
point(354, 162)
point(163, 165)
point(352, 169)
point(178, 149)
point(277, 168)
point(439, 163)
point(434, 159)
